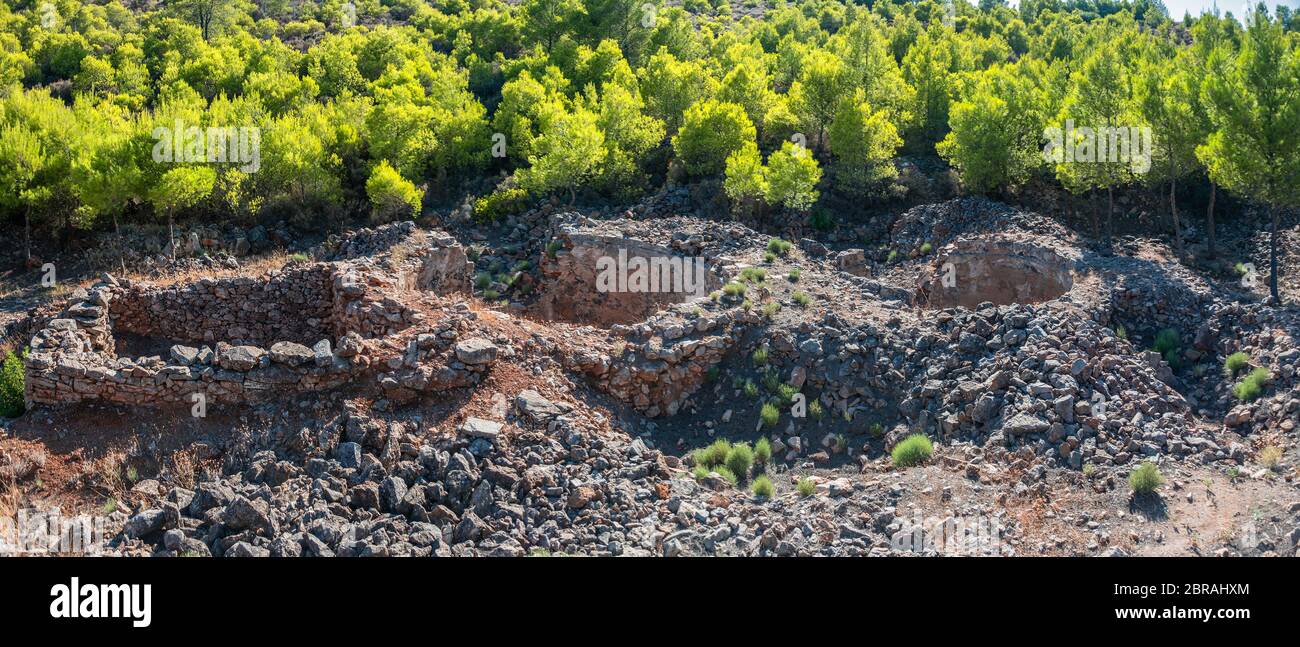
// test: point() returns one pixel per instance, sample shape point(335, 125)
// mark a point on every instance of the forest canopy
point(378, 106)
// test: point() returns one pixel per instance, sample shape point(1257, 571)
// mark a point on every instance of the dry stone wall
point(307, 327)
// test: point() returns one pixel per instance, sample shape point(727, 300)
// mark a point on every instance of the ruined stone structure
point(306, 327)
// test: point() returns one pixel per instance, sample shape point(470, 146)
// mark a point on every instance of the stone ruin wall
point(303, 328)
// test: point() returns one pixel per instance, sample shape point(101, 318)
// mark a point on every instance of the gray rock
point(145, 522)
point(476, 351)
point(245, 549)
point(1022, 423)
point(184, 355)
point(392, 491)
point(349, 455)
point(291, 354)
point(480, 428)
point(537, 407)
point(240, 358)
point(244, 513)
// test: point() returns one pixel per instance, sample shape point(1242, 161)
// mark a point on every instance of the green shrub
point(815, 409)
point(785, 393)
point(739, 459)
point(499, 204)
point(299, 257)
point(552, 247)
point(771, 381)
point(734, 289)
point(770, 415)
point(1235, 363)
point(821, 220)
point(806, 488)
point(1251, 387)
point(779, 246)
point(700, 472)
point(893, 255)
point(762, 451)
point(727, 475)
point(794, 275)
point(771, 308)
point(763, 486)
point(750, 389)
point(11, 386)
point(1145, 479)
point(769, 258)
point(801, 299)
point(712, 455)
point(753, 275)
point(760, 356)
point(1167, 343)
point(914, 450)
point(392, 196)
point(926, 248)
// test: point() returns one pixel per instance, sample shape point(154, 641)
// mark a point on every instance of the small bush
point(1235, 363)
point(771, 308)
point(392, 196)
point(771, 381)
point(552, 247)
point(750, 389)
point(763, 486)
point(785, 393)
point(770, 415)
point(760, 356)
point(806, 488)
point(914, 450)
point(727, 475)
point(762, 451)
point(1251, 387)
point(893, 255)
point(926, 248)
point(1270, 457)
point(769, 258)
point(739, 459)
point(1167, 343)
point(12, 383)
point(801, 299)
point(815, 409)
point(1089, 469)
point(753, 275)
point(700, 472)
point(714, 454)
point(1145, 479)
point(778, 246)
point(821, 220)
point(500, 203)
point(794, 275)
point(299, 257)
point(734, 289)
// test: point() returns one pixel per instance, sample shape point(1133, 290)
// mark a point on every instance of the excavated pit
point(606, 280)
point(970, 272)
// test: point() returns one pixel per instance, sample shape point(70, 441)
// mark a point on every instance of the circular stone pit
point(973, 271)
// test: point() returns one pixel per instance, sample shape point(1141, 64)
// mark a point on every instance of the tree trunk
point(1092, 215)
point(1272, 259)
point(1110, 217)
point(1209, 220)
point(1173, 210)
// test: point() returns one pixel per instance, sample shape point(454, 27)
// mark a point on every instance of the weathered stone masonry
point(307, 327)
